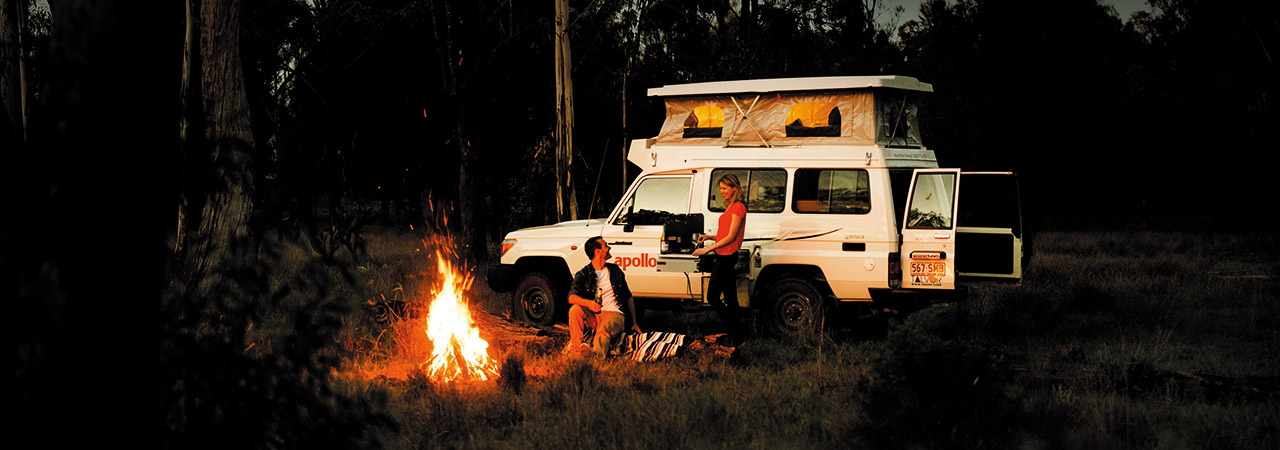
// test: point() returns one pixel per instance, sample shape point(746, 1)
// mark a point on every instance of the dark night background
point(339, 108)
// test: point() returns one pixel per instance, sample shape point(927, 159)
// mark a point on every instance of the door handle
point(620, 243)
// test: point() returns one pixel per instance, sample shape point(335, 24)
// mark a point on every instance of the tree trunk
point(566, 201)
point(189, 112)
point(12, 129)
point(224, 219)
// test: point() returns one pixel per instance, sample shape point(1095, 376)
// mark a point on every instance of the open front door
point(990, 235)
point(635, 231)
point(929, 230)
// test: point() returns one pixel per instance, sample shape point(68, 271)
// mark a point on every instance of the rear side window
point(765, 189)
point(900, 181)
point(832, 191)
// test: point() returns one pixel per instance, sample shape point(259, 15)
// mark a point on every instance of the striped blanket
point(648, 347)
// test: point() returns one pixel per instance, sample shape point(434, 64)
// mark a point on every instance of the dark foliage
point(341, 229)
point(82, 243)
point(228, 389)
point(376, 101)
point(937, 393)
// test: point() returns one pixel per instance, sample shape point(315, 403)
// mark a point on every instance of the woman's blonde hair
point(732, 181)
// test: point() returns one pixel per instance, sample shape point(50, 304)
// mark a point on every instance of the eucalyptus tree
point(225, 150)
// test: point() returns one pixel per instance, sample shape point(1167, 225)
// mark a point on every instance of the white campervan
point(846, 208)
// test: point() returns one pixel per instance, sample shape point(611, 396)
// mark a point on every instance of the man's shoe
point(580, 350)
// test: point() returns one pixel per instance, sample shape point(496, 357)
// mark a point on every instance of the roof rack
point(791, 84)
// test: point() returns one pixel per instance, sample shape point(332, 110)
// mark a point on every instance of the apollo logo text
point(644, 260)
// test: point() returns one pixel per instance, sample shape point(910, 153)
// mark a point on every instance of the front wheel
point(535, 300)
point(795, 309)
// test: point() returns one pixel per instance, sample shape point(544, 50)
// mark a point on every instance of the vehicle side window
point(832, 191)
point(931, 202)
point(655, 200)
point(766, 189)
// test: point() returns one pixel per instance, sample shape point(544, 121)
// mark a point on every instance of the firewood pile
point(502, 332)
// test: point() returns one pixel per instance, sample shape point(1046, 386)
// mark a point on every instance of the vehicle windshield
point(654, 201)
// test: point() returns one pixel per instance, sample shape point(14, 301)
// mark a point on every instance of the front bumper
point(499, 277)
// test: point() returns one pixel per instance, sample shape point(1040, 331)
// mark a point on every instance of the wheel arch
point(776, 272)
point(555, 268)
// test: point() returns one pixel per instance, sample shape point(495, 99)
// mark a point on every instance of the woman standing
point(728, 239)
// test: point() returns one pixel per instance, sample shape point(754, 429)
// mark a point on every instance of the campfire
point(457, 351)
point(437, 322)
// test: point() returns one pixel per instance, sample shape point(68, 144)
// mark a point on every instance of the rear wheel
point(535, 299)
point(795, 309)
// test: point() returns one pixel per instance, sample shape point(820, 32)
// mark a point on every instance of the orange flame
point(458, 352)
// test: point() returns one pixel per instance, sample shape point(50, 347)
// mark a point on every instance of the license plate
point(928, 273)
point(929, 268)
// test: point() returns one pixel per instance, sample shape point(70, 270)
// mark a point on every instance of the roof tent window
point(897, 120)
point(813, 119)
point(704, 121)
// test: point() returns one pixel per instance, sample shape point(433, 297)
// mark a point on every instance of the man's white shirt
point(604, 290)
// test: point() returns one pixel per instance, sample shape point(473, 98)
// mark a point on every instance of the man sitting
point(597, 294)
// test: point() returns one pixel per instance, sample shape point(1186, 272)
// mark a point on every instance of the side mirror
point(631, 220)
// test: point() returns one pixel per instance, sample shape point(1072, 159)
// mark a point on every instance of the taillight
point(895, 271)
point(506, 245)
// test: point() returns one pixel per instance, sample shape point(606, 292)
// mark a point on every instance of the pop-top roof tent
point(793, 111)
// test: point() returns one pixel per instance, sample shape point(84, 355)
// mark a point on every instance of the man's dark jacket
point(584, 285)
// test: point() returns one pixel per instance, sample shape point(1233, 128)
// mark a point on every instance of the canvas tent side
point(777, 113)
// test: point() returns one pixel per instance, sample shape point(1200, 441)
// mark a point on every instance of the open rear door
point(989, 238)
point(929, 230)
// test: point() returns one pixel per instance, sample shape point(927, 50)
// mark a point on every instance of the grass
point(1114, 340)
